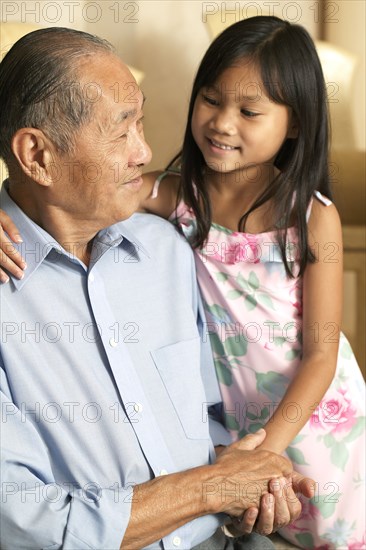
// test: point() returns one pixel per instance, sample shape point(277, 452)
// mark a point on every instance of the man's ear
point(33, 151)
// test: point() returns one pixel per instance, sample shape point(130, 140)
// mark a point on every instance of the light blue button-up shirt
point(105, 381)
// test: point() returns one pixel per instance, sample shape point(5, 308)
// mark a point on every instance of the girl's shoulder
point(159, 192)
point(316, 198)
point(321, 209)
point(322, 198)
point(324, 224)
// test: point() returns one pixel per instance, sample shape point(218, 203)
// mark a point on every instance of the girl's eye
point(210, 100)
point(249, 114)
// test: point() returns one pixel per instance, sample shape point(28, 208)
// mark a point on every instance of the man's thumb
point(252, 441)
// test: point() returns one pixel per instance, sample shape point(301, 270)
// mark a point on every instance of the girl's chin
point(224, 167)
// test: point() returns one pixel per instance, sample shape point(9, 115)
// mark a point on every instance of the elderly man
point(105, 382)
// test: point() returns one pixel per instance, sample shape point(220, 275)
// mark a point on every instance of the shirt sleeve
point(37, 512)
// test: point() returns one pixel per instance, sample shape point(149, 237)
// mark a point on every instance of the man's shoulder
point(149, 228)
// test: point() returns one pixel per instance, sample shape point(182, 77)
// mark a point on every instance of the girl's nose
point(224, 122)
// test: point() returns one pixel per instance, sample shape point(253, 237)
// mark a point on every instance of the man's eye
point(209, 100)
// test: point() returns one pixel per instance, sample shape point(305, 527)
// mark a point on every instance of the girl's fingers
point(10, 258)
point(10, 228)
point(13, 263)
point(7, 250)
point(304, 485)
point(3, 277)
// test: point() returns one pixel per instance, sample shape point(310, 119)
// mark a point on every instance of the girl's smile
point(221, 146)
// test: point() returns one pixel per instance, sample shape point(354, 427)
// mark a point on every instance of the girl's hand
point(10, 258)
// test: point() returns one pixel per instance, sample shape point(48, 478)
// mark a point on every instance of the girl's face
point(236, 125)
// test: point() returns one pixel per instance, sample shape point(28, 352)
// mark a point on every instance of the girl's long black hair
point(292, 75)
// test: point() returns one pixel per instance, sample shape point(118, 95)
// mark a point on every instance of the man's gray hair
point(40, 87)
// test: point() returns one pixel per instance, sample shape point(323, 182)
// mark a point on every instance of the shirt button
point(91, 278)
point(113, 343)
point(177, 541)
point(138, 407)
point(163, 473)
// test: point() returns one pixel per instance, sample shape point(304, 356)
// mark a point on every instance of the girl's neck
point(251, 181)
point(232, 194)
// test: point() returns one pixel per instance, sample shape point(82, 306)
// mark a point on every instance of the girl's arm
point(166, 197)
point(322, 313)
point(163, 205)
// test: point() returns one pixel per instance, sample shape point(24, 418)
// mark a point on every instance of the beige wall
point(166, 39)
point(107, 18)
point(346, 28)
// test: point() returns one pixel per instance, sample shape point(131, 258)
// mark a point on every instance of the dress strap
point(155, 189)
point(323, 199)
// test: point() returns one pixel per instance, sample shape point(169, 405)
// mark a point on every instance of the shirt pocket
point(179, 369)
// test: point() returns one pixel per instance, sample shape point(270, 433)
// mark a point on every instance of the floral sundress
point(254, 322)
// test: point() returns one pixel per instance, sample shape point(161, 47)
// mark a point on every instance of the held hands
point(10, 259)
point(261, 484)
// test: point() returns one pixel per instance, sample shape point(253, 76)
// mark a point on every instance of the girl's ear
point(33, 151)
point(293, 128)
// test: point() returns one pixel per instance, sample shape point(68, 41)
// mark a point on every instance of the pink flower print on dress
point(358, 545)
point(231, 253)
point(335, 413)
point(252, 249)
point(295, 293)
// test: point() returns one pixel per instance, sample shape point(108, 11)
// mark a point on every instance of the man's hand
point(241, 476)
point(278, 504)
point(278, 508)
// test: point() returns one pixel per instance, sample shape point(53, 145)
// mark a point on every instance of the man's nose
point(140, 151)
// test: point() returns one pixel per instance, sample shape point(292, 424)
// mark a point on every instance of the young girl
point(252, 196)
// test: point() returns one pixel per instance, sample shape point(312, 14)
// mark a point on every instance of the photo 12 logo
point(70, 11)
point(231, 12)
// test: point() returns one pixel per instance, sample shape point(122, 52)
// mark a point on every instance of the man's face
point(101, 178)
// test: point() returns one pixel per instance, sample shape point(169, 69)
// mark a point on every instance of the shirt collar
point(37, 243)
point(115, 234)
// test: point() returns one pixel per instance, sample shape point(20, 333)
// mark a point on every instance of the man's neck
point(75, 236)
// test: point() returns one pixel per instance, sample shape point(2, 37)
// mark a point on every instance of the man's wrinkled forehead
point(133, 112)
point(104, 72)
point(105, 79)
